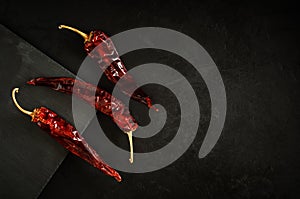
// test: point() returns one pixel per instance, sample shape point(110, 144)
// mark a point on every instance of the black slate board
point(28, 156)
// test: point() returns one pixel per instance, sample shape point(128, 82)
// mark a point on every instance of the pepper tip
point(119, 179)
point(155, 109)
point(31, 82)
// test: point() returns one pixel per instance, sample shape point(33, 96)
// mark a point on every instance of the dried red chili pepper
point(109, 61)
point(65, 134)
point(96, 97)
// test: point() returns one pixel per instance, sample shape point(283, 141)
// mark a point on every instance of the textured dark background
point(256, 47)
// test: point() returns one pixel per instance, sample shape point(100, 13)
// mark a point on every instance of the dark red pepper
point(96, 97)
point(109, 61)
point(65, 134)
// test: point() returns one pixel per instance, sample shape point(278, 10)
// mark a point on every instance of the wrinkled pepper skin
point(107, 57)
point(102, 50)
point(93, 95)
point(66, 134)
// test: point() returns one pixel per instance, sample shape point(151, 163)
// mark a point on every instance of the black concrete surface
point(255, 44)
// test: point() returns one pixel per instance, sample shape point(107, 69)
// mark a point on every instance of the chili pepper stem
point(13, 94)
point(85, 36)
point(131, 146)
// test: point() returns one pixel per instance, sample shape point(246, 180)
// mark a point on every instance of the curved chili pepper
point(65, 134)
point(109, 61)
point(96, 97)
